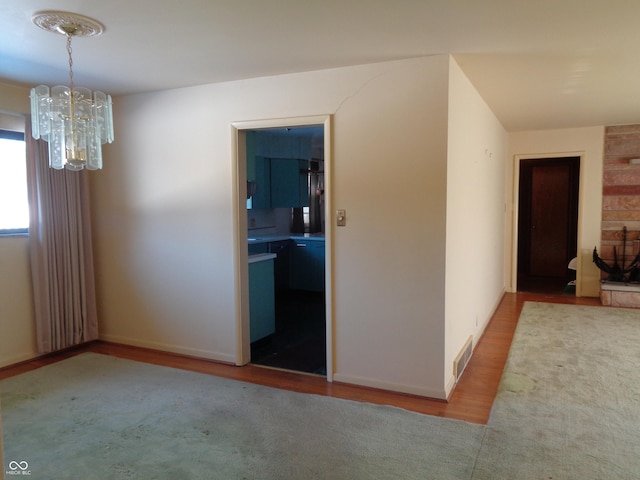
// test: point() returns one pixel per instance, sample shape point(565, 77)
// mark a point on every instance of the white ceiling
point(538, 64)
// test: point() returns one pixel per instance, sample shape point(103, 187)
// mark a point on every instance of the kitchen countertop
point(276, 238)
point(261, 257)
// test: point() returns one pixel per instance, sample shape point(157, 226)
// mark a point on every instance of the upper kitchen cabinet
point(258, 172)
point(262, 194)
point(289, 183)
point(282, 146)
point(278, 164)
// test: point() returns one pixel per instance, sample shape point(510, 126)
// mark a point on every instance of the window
point(14, 204)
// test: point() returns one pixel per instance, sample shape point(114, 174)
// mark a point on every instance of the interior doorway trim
point(241, 272)
point(516, 207)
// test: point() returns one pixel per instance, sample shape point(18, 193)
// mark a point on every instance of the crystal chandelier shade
point(73, 120)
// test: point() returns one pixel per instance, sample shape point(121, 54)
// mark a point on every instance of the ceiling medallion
point(66, 23)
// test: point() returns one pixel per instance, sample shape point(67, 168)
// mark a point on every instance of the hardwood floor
point(471, 400)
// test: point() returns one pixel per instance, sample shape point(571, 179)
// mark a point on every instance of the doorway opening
point(548, 224)
point(282, 179)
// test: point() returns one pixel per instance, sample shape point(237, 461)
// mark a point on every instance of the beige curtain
point(61, 253)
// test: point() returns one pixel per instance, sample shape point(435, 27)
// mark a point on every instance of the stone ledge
point(620, 294)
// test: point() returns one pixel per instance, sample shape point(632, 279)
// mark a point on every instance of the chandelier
point(75, 122)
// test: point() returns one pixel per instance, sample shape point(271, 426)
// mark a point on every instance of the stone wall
point(621, 192)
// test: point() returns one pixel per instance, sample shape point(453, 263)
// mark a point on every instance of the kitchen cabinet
point(277, 163)
point(281, 145)
point(280, 182)
point(262, 311)
point(289, 183)
point(306, 267)
point(280, 264)
point(261, 247)
point(259, 171)
point(281, 249)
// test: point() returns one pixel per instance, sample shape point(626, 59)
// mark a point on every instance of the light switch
point(341, 218)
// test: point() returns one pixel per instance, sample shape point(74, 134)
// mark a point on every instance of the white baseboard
point(450, 386)
point(390, 386)
point(480, 332)
point(192, 352)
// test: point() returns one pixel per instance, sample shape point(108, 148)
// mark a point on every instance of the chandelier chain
point(72, 150)
point(70, 64)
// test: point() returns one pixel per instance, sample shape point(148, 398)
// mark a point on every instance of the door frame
point(516, 208)
point(241, 270)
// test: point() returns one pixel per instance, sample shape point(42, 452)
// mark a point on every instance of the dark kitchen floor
point(299, 341)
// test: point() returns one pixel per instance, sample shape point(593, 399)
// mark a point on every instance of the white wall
point(475, 215)
point(390, 176)
point(14, 99)
point(163, 218)
point(17, 333)
point(589, 144)
point(17, 327)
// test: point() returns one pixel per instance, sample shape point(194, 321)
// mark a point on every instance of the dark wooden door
point(548, 216)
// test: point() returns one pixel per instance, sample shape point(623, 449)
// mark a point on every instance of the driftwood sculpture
point(618, 272)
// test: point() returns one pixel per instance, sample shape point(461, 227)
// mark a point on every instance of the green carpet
point(99, 417)
point(569, 400)
point(568, 408)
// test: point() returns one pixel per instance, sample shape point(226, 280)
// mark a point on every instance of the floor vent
point(463, 358)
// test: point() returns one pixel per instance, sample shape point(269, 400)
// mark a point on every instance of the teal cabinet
point(278, 165)
point(280, 182)
point(280, 264)
point(289, 183)
point(306, 270)
point(254, 248)
point(262, 310)
point(259, 171)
